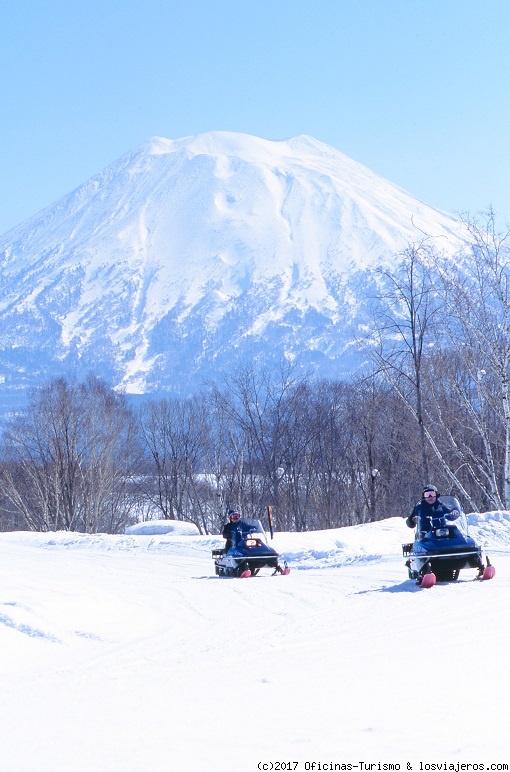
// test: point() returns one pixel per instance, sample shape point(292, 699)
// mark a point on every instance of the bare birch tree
point(404, 331)
point(477, 294)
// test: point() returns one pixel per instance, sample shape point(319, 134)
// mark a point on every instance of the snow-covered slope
point(127, 653)
point(186, 256)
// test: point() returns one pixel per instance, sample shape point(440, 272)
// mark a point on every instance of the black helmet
point(430, 488)
point(234, 516)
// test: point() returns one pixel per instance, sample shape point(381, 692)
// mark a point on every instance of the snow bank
point(334, 548)
point(490, 529)
point(156, 527)
point(342, 546)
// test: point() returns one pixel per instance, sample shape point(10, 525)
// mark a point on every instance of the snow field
point(127, 653)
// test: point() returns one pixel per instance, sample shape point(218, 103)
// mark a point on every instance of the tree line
point(431, 404)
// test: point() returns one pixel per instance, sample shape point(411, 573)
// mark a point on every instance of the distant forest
point(432, 405)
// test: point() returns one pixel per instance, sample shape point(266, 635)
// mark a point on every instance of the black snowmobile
point(442, 547)
point(249, 552)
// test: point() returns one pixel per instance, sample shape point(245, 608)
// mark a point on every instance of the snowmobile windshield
point(449, 515)
point(252, 530)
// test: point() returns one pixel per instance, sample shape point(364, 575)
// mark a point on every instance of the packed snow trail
point(129, 654)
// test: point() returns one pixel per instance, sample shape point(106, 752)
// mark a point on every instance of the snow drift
point(153, 527)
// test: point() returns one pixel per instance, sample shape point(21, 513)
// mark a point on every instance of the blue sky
point(417, 90)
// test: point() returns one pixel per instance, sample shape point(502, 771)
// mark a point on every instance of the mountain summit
point(186, 257)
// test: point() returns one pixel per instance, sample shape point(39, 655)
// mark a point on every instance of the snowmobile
point(249, 552)
point(442, 547)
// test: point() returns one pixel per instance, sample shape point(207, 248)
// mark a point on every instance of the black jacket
point(229, 531)
point(423, 513)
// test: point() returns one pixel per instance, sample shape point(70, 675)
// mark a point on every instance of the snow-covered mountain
point(186, 257)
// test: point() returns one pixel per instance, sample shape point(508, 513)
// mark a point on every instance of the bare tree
point(175, 435)
point(68, 460)
point(259, 405)
point(477, 294)
point(404, 329)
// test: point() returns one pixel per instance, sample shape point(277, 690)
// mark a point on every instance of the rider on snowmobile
point(428, 509)
point(229, 528)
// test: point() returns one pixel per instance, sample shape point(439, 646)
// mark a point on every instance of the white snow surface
point(128, 653)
